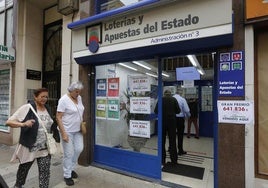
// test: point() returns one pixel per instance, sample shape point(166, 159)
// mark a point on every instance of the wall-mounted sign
point(165, 24)
point(33, 74)
point(161, 22)
point(6, 54)
point(231, 74)
point(238, 112)
point(256, 9)
point(93, 37)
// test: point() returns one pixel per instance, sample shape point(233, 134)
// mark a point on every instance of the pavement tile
point(90, 176)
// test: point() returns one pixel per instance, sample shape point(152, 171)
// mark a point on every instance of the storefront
point(7, 56)
point(113, 47)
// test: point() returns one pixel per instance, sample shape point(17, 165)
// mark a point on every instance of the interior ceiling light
point(153, 75)
point(142, 65)
point(127, 66)
point(196, 64)
point(265, 1)
point(166, 75)
point(193, 60)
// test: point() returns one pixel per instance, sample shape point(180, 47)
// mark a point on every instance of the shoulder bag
point(83, 124)
point(51, 143)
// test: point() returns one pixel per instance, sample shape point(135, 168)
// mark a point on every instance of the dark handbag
point(54, 130)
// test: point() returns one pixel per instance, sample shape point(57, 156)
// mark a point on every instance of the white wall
point(29, 46)
point(249, 95)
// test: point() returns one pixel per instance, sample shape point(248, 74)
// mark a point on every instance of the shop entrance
point(128, 135)
point(195, 168)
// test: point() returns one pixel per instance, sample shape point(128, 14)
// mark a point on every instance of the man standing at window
point(185, 113)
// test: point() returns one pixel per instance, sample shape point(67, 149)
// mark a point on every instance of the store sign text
point(141, 28)
point(7, 54)
point(239, 112)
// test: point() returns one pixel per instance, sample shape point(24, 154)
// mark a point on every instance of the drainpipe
point(71, 55)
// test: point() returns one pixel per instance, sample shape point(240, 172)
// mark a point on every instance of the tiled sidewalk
point(90, 176)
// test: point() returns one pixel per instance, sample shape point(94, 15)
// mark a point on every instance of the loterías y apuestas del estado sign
point(7, 54)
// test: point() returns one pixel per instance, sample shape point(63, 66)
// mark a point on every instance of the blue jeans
point(71, 152)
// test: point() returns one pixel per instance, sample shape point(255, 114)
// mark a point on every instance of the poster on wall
point(140, 105)
point(139, 128)
point(113, 110)
point(113, 87)
point(4, 98)
point(101, 87)
point(237, 112)
point(101, 105)
point(231, 74)
point(139, 83)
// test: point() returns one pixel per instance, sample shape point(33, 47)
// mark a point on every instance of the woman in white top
point(69, 117)
point(32, 142)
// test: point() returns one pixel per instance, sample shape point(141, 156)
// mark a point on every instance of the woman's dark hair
point(40, 90)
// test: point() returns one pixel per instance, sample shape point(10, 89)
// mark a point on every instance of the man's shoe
point(69, 181)
point(182, 153)
point(74, 175)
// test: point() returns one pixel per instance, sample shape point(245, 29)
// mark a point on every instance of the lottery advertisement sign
point(231, 74)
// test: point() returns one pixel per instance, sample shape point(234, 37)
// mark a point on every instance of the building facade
point(99, 41)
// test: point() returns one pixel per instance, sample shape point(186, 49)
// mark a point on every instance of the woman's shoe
point(74, 175)
point(69, 181)
point(18, 186)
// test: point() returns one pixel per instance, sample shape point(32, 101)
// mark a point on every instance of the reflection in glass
point(114, 4)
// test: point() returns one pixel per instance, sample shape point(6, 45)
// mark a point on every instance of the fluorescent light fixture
point(141, 65)
point(127, 66)
point(196, 64)
point(153, 75)
point(166, 75)
point(193, 60)
point(201, 71)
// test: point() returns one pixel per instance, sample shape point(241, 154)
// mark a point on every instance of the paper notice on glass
point(237, 112)
point(140, 105)
point(139, 128)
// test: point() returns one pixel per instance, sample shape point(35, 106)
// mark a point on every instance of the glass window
point(9, 3)
point(2, 27)
point(9, 27)
point(125, 101)
point(2, 5)
point(6, 22)
point(206, 98)
point(106, 5)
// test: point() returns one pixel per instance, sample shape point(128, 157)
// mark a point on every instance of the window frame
point(99, 2)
